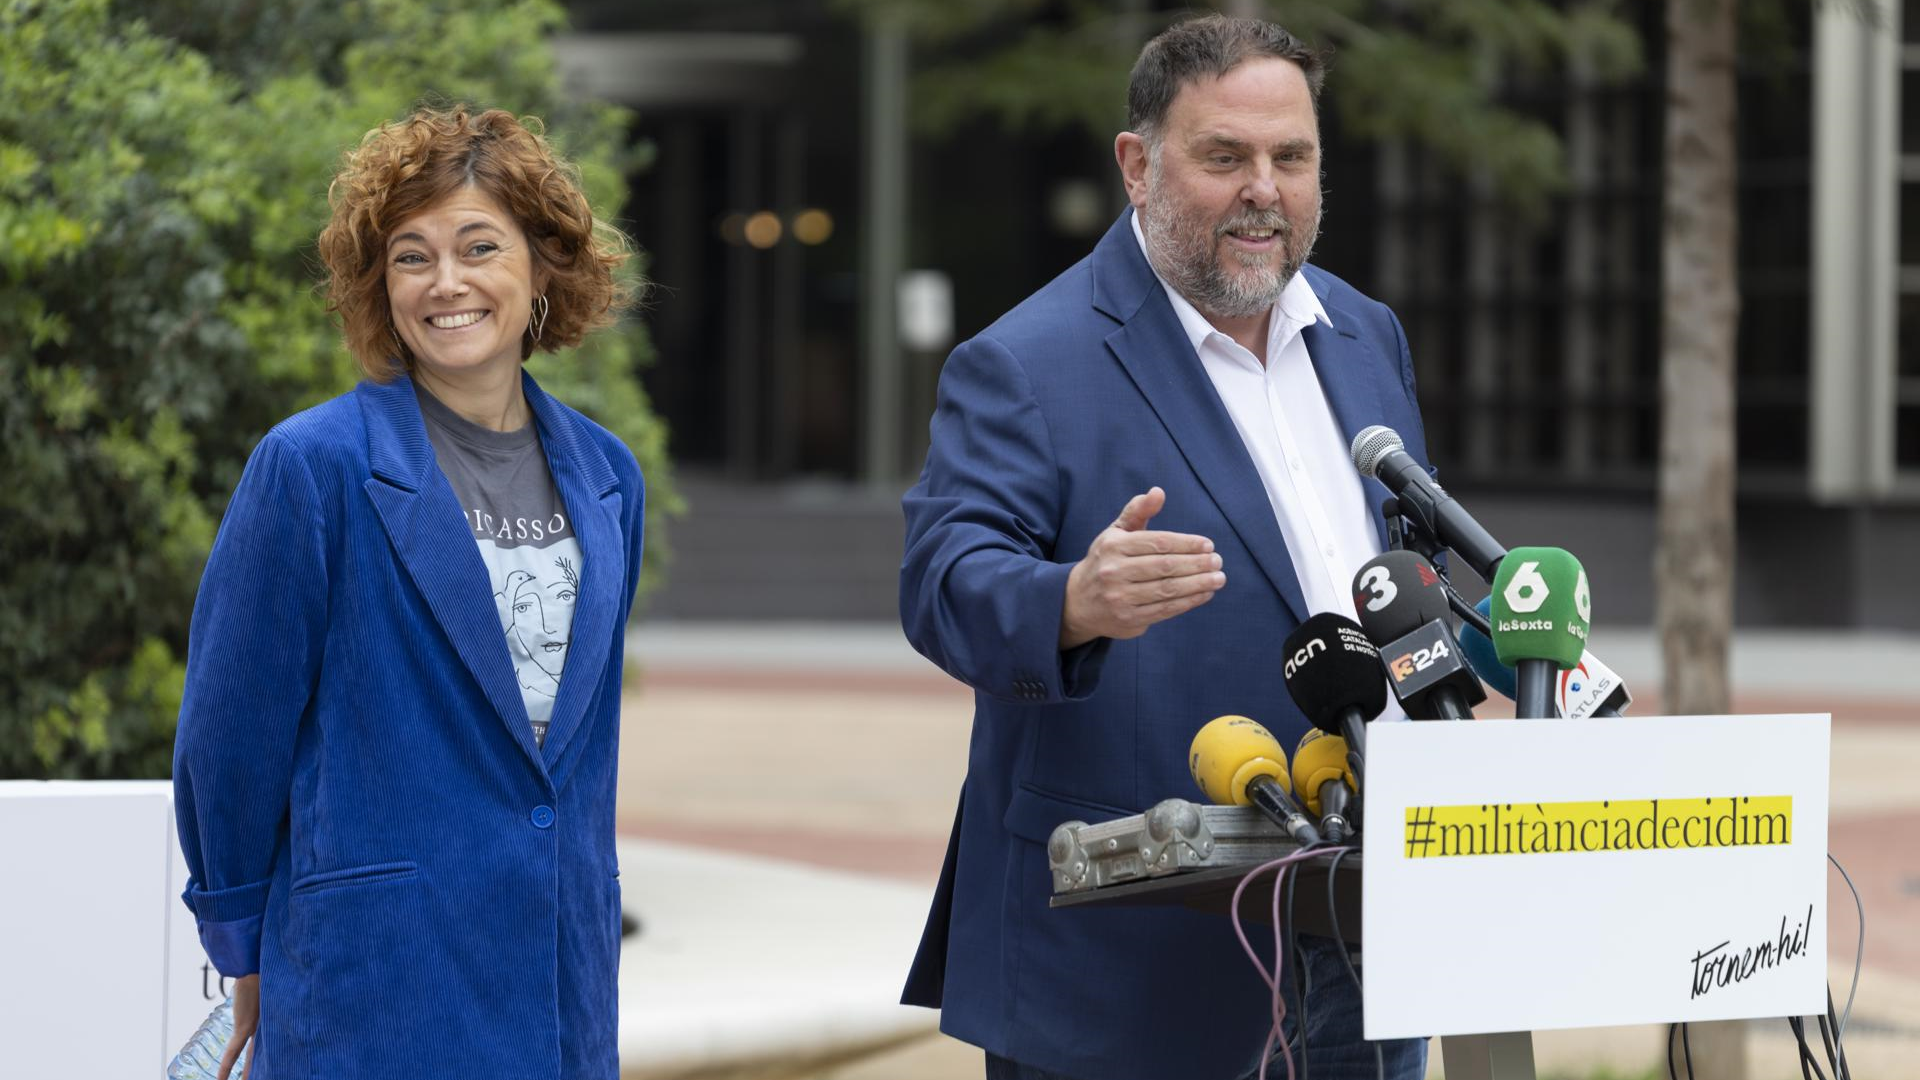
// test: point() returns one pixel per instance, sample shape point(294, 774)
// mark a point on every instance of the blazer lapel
point(429, 532)
point(591, 493)
point(1156, 354)
point(1361, 387)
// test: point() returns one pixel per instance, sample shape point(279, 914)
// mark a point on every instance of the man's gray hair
point(1208, 47)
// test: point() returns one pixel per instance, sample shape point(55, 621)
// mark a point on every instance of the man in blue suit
point(1137, 486)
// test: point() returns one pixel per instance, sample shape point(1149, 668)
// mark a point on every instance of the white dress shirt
point(1297, 447)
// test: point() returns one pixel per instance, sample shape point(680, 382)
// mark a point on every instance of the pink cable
point(1272, 979)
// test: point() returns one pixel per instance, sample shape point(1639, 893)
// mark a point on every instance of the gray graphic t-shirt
point(525, 538)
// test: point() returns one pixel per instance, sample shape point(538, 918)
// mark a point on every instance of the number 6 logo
point(1582, 600)
point(1528, 590)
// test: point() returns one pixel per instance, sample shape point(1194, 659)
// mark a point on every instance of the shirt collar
point(1298, 307)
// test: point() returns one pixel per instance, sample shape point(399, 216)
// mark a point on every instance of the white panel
point(1614, 931)
point(83, 928)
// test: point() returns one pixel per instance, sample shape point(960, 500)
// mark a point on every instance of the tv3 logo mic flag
point(1541, 607)
point(1397, 591)
point(1419, 661)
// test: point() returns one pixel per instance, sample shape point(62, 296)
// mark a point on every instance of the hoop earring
point(540, 307)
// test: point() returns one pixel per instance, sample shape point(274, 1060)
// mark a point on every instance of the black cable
point(1672, 1030)
point(1813, 1061)
point(1800, 1042)
point(1686, 1045)
point(1340, 942)
point(1826, 1041)
point(1809, 1065)
point(1842, 1071)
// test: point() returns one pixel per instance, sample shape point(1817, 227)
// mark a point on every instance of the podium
point(1511, 861)
point(1497, 1056)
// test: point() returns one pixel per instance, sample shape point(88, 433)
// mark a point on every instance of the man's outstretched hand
point(1134, 577)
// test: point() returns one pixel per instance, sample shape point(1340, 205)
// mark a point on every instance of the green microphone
point(1541, 611)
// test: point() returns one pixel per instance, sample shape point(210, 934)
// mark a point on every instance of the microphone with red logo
point(1403, 605)
point(1333, 675)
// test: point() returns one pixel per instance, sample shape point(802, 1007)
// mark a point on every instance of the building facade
point(817, 253)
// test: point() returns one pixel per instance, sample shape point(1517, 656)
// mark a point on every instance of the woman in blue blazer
point(394, 771)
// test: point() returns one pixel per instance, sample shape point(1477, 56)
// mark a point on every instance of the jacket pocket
point(355, 875)
point(1034, 813)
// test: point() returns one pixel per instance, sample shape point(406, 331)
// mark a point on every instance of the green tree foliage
point(163, 172)
point(1427, 71)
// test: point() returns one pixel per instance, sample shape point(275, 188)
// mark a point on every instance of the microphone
point(1379, 453)
point(1237, 762)
point(1541, 610)
point(1481, 657)
point(1333, 676)
point(1325, 781)
point(1589, 688)
point(1403, 605)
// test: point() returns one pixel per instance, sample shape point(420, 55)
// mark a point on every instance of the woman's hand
point(246, 1019)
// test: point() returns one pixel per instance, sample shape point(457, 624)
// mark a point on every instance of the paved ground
point(838, 746)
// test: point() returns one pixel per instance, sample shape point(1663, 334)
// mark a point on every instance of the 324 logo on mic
point(1407, 665)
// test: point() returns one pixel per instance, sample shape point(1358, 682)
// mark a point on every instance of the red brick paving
point(914, 858)
point(1881, 851)
point(930, 680)
point(1882, 854)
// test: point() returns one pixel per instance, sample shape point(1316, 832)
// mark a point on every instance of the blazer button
point(542, 816)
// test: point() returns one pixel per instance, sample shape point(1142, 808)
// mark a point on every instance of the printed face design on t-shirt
point(530, 611)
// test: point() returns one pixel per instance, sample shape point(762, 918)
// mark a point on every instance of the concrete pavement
point(837, 746)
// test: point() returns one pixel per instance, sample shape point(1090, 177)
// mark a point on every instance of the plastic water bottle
point(200, 1058)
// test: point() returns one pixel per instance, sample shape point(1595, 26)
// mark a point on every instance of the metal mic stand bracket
point(1506, 1055)
point(1409, 533)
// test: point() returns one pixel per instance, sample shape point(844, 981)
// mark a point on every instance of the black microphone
point(1403, 605)
point(1379, 453)
point(1333, 675)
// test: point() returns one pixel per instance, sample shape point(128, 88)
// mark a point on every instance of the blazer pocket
point(1033, 814)
point(355, 875)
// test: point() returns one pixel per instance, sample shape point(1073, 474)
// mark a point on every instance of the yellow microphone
point(1324, 777)
point(1237, 762)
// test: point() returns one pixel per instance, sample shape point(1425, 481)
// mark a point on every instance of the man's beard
point(1182, 243)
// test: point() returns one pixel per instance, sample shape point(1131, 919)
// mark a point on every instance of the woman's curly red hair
point(402, 168)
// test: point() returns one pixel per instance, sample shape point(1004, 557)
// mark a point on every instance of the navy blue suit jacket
point(367, 819)
point(1083, 396)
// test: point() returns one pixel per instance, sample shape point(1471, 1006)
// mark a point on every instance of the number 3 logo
point(1528, 590)
point(1379, 584)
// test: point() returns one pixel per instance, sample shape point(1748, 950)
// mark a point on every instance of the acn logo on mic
point(1305, 653)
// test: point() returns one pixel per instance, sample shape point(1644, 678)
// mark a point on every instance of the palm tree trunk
point(1693, 564)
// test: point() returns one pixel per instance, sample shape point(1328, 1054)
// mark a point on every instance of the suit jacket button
point(542, 816)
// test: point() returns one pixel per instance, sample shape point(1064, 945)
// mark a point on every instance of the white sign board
point(1533, 874)
point(103, 974)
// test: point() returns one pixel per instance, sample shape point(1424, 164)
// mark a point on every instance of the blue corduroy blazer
point(367, 820)
point(1083, 396)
